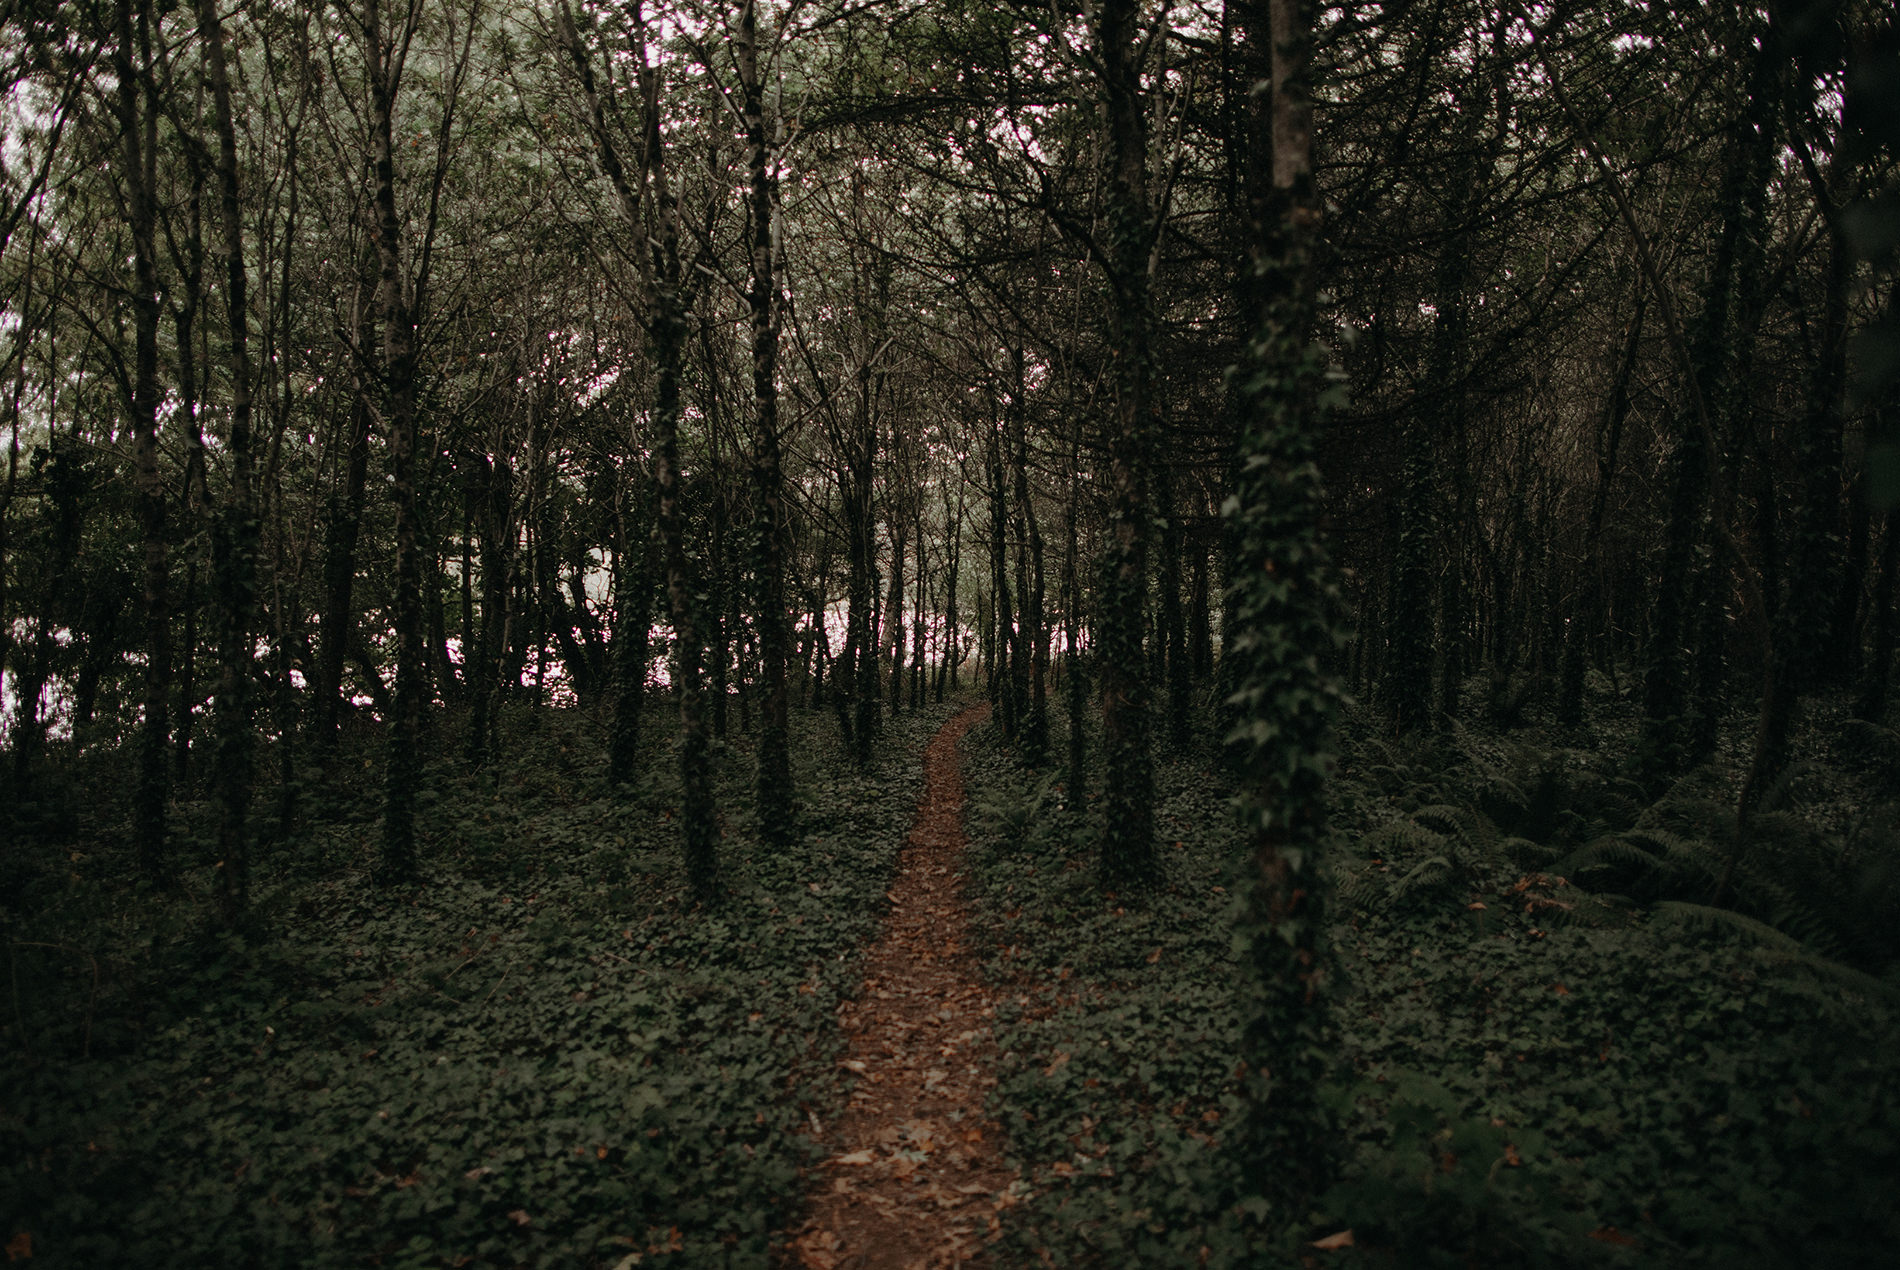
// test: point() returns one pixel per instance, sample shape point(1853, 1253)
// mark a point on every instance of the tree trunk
point(1005, 652)
point(1676, 724)
point(343, 526)
point(1872, 702)
point(1587, 614)
point(633, 620)
point(1077, 680)
point(1031, 678)
point(404, 765)
point(138, 124)
point(1173, 619)
point(236, 536)
point(1127, 854)
point(1284, 607)
point(774, 791)
point(894, 603)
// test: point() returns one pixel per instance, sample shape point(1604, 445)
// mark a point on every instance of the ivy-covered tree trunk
point(1284, 599)
point(1127, 853)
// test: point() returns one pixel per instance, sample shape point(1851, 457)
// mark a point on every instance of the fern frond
point(1401, 838)
point(1425, 876)
point(1787, 909)
point(1621, 851)
point(1778, 945)
point(1870, 744)
point(1364, 890)
point(1527, 854)
point(1692, 864)
point(1473, 828)
point(1711, 918)
point(1780, 830)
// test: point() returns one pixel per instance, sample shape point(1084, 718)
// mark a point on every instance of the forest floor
point(923, 1034)
point(915, 1174)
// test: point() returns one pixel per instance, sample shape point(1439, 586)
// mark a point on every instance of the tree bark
point(403, 778)
point(1127, 854)
point(235, 552)
point(138, 124)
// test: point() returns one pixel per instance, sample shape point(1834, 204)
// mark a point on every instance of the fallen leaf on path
point(1611, 1235)
point(818, 1250)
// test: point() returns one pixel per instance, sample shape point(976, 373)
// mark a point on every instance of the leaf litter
point(914, 1176)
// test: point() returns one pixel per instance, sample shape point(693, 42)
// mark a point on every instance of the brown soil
point(915, 1175)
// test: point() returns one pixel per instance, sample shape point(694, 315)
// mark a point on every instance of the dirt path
point(915, 1175)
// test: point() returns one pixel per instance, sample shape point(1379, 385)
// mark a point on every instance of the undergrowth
point(541, 1056)
point(1613, 1065)
point(1119, 1027)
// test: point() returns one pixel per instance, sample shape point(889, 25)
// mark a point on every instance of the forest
point(844, 634)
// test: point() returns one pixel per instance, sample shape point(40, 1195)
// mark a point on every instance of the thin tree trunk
point(1588, 612)
point(138, 123)
point(894, 603)
point(1872, 703)
point(404, 763)
point(1004, 651)
point(237, 532)
point(774, 777)
point(1128, 842)
point(633, 619)
point(344, 519)
point(1077, 686)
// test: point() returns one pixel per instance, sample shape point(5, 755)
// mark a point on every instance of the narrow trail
point(915, 1175)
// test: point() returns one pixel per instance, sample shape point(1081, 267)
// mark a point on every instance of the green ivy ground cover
point(1529, 1075)
point(538, 1057)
